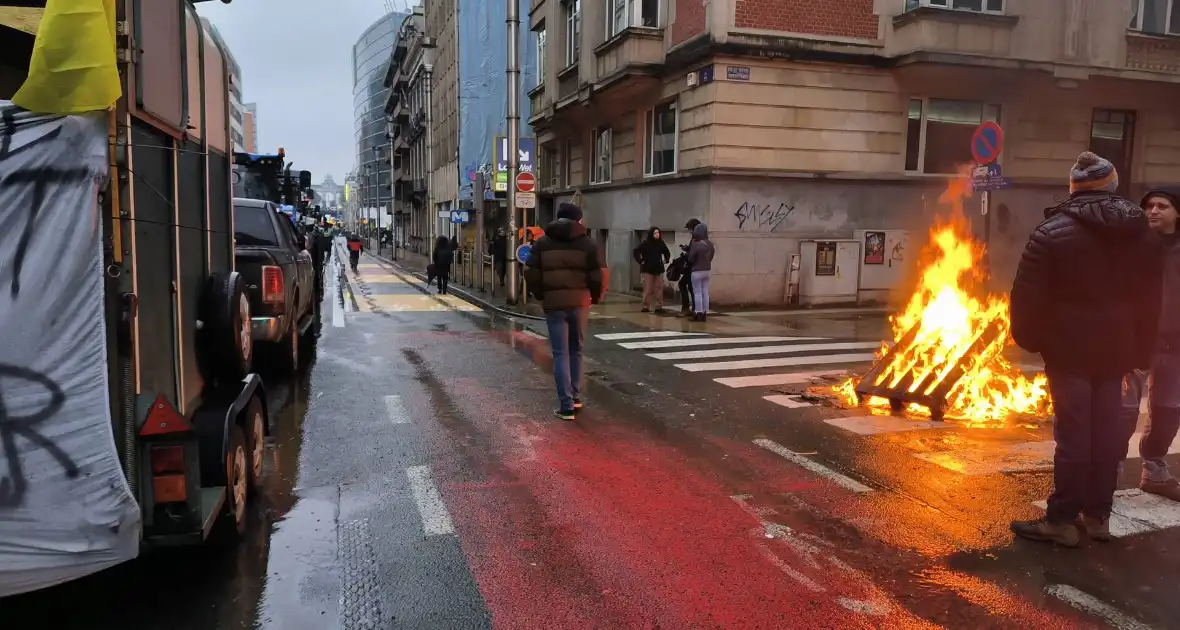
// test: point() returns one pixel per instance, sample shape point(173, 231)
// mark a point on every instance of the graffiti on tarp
point(14, 485)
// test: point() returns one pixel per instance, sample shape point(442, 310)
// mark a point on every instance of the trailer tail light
point(168, 479)
point(272, 284)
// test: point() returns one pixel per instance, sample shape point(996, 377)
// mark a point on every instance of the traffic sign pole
point(986, 144)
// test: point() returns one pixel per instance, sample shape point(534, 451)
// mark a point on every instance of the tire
point(226, 344)
point(254, 428)
point(237, 481)
point(287, 350)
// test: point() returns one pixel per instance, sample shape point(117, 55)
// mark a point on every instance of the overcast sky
point(296, 60)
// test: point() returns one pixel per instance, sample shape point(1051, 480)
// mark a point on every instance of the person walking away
point(500, 254)
point(700, 261)
point(1160, 206)
point(652, 254)
point(566, 272)
point(355, 247)
point(1086, 298)
point(443, 257)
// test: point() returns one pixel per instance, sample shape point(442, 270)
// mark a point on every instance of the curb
point(478, 301)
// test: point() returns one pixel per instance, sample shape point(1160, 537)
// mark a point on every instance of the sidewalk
point(415, 264)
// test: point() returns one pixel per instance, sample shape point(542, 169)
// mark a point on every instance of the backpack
point(676, 269)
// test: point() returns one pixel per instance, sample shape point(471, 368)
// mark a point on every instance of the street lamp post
point(513, 75)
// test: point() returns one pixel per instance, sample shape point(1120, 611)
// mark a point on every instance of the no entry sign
point(526, 182)
point(987, 142)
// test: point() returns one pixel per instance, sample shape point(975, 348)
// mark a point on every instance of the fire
point(952, 312)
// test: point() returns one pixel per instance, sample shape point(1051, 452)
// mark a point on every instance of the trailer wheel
point(254, 423)
point(237, 476)
point(226, 335)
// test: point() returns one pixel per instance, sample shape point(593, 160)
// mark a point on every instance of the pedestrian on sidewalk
point(1164, 397)
point(566, 272)
point(700, 261)
point(684, 285)
point(1086, 298)
point(355, 247)
point(652, 254)
point(443, 257)
point(500, 254)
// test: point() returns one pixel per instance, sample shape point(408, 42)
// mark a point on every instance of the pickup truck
point(280, 279)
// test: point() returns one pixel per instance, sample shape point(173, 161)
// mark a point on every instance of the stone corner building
point(821, 134)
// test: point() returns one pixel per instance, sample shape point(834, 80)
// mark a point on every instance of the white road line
point(766, 380)
point(709, 341)
point(1086, 602)
point(1017, 457)
point(396, 410)
point(742, 352)
point(788, 402)
point(750, 364)
point(876, 425)
point(1137, 512)
point(436, 521)
point(819, 469)
point(650, 334)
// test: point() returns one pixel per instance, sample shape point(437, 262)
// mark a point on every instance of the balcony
point(1153, 53)
point(636, 51)
point(419, 186)
point(949, 31)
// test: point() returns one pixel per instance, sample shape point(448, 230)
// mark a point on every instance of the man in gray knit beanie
point(1093, 173)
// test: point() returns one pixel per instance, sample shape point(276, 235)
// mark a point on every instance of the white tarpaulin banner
point(65, 507)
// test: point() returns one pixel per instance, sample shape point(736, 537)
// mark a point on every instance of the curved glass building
point(370, 58)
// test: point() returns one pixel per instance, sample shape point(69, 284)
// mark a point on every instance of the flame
point(952, 312)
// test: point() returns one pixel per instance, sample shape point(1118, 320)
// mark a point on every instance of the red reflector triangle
point(163, 419)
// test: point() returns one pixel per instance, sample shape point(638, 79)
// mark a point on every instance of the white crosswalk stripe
point(745, 352)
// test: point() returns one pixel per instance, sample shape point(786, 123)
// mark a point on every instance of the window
point(627, 13)
point(938, 139)
point(540, 56)
point(253, 227)
point(660, 140)
point(1112, 135)
point(567, 159)
point(600, 174)
point(1156, 17)
point(573, 31)
point(978, 6)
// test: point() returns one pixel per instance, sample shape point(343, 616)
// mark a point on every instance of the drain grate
point(360, 588)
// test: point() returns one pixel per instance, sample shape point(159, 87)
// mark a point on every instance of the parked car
point(280, 280)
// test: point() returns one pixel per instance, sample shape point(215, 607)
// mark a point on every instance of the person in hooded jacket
point(652, 254)
point(443, 256)
point(1086, 298)
point(684, 274)
point(1161, 207)
point(700, 261)
point(565, 270)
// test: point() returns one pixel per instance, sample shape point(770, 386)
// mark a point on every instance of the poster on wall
point(874, 248)
point(825, 258)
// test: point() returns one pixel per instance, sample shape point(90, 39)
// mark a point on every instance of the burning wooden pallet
point(933, 391)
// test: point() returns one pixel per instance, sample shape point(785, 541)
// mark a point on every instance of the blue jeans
point(1092, 436)
point(567, 330)
point(1163, 419)
point(700, 291)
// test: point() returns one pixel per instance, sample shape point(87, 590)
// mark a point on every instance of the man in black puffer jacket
point(566, 272)
point(1087, 298)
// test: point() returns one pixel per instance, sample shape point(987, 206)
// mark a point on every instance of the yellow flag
point(73, 68)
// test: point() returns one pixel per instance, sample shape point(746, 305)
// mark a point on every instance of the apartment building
point(236, 108)
point(250, 127)
point(408, 109)
point(802, 132)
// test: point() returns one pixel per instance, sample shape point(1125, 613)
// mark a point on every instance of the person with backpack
point(680, 273)
point(566, 272)
point(355, 247)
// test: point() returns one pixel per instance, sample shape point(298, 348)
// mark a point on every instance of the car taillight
point(168, 479)
point(272, 284)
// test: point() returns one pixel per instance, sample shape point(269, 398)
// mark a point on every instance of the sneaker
point(578, 404)
point(1041, 530)
point(1169, 489)
point(564, 414)
point(1098, 529)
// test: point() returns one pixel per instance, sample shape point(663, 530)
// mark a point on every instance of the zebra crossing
point(801, 360)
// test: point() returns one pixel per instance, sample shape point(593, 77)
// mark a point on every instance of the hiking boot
point(578, 404)
point(1097, 529)
point(1041, 530)
point(564, 414)
point(1169, 489)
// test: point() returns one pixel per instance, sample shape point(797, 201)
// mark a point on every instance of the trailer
point(130, 414)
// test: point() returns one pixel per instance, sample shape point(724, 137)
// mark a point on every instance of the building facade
point(408, 108)
point(370, 56)
point(806, 134)
point(469, 97)
point(250, 127)
point(236, 108)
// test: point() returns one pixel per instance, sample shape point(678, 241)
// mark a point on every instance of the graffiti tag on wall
point(763, 217)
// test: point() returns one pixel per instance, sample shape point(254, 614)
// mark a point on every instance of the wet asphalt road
point(416, 480)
